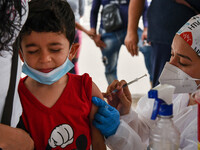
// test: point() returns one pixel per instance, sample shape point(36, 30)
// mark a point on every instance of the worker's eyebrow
point(181, 55)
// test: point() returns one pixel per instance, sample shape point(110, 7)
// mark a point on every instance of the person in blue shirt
point(111, 42)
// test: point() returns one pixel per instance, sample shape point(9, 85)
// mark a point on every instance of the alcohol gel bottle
point(164, 135)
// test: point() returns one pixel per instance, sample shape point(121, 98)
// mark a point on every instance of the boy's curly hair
point(9, 9)
point(50, 16)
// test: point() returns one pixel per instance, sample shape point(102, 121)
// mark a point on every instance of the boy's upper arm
point(97, 137)
point(95, 93)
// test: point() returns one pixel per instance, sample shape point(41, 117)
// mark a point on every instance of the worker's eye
point(182, 64)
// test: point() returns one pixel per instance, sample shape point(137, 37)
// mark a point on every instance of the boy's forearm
point(98, 142)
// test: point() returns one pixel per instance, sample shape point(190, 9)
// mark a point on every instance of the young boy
point(57, 107)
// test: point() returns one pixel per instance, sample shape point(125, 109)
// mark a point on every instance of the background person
point(13, 14)
point(111, 42)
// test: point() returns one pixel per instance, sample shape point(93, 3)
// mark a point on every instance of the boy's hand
point(14, 139)
point(107, 119)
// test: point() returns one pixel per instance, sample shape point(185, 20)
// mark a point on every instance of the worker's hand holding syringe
point(119, 96)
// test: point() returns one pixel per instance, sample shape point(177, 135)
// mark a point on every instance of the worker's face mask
point(50, 77)
point(174, 76)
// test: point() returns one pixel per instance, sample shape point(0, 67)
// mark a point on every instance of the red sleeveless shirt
point(66, 124)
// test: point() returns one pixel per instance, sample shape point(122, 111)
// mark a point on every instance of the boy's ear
point(73, 50)
point(20, 54)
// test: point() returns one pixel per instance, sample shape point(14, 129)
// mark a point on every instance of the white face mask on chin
point(174, 76)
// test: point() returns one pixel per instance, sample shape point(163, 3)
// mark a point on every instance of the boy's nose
point(45, 57)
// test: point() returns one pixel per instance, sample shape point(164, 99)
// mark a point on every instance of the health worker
point(131, 131)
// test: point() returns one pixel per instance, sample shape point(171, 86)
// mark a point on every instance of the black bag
point(7, 111)
point(111, 18)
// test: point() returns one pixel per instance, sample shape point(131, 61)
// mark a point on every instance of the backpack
point(111, 18)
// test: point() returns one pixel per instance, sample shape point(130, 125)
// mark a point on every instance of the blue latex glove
point(107, 119)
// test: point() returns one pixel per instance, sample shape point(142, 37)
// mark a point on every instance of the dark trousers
point(160, 54)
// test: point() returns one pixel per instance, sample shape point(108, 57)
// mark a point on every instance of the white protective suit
point(5, 65)
point(133, 131)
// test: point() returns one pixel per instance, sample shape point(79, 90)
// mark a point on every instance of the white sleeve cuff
point(132, 115)
point(125, 139)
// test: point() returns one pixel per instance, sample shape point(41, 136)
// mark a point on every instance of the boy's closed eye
point(32, 51)
point(55, 50)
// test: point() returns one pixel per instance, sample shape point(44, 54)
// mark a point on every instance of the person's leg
point(110, 54)
point(161, 53)
point(146, 51)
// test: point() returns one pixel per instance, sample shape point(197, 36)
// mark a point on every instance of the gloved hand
point(107, 119)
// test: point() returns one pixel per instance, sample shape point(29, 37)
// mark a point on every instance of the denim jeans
point(110, 53)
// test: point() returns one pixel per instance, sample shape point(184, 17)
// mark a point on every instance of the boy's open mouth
point(46, 70)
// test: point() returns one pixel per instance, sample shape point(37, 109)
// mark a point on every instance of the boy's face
point(44, 51)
